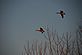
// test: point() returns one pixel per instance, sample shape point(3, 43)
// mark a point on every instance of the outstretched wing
point(64, 13)
point(37, 30)
point(57, 13)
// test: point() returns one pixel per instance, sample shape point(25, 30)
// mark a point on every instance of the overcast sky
point(20, 18)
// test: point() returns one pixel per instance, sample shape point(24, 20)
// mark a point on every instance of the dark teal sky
point(20, 18)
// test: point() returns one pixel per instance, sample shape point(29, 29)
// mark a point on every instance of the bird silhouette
point(61, 13)
point(41, 30)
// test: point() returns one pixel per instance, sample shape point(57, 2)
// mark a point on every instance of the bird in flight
point(40, 30)
point(61, 13)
